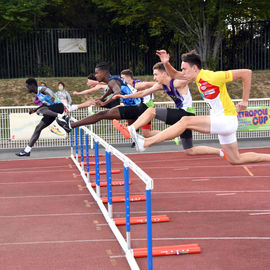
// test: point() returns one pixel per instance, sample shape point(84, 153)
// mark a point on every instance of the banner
point(254, 119)
point(72, 45)
point(22, 126)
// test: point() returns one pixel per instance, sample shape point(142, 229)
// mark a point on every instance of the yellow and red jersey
point(212, 87)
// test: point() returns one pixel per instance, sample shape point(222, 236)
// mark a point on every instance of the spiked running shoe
point(139, 143)
point(122, 128)
point(23, 154)
point(64, 123)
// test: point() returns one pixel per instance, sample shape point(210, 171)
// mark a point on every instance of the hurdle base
point(114, 183)
point(103, 172)
point(132, 198)
point(141, 220)
point(93, 163)
point(168, 250)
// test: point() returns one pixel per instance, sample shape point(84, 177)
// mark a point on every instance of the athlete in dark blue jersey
point(131, 110)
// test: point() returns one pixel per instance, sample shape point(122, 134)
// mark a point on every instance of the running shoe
point(139, 141)
point(23, 154)
point(222, 154)
point(176, 140)
point(122, 128)
point(64, 123)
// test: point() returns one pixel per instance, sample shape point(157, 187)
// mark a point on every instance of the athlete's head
point(102, 71)
point(191, 65)
point(159, 73)
point(127, 75)
point(31, 85)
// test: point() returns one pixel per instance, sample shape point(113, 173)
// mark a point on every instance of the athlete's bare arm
point(91, 90)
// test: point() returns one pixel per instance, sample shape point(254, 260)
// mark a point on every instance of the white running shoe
point(139, 143)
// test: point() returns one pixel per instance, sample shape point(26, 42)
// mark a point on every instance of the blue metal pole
point(109, 182)
point(71, 142)
point(149, 229)
point(87, 155)
point(81, 144)
point(76, 143)
point(127, 205)
point(97, 169)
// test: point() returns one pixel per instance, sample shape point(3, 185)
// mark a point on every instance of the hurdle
point(125, 242)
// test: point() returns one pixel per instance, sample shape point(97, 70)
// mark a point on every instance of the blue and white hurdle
point(125, 243)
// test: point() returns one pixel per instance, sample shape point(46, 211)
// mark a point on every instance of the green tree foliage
point(199, 24)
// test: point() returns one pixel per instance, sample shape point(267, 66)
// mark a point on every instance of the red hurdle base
point(102, 172)
point(132, 198)
point(100, 155)
point(141, 220)
point(114, 183)
point(94, 163)
point(168, 250)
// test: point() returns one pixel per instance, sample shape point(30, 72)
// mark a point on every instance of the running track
point(49, 221)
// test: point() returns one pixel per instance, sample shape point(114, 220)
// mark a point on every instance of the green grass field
point(13, 91)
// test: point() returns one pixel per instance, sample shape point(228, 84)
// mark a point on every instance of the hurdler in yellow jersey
point(212, 87)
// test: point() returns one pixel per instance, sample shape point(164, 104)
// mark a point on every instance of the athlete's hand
point(118, 96)
point(163, 55)
point(31, 111)
point(99, 103)
point(75, 93)
point(241, 106)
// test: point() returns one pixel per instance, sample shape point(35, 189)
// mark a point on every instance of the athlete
point(179, 92)
point(131, 110)
point(51, 108)
point(223, 116)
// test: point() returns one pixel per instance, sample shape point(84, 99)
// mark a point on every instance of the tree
point(199, 24)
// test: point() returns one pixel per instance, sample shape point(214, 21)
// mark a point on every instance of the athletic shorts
point(58, 108)
point(171, 116)
point(112, 104)
point(132, 112)
point(225, 127)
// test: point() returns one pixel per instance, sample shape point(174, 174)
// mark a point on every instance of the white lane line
point(256, 214)
point(200, 180)
point(228, 177)
point(40, 182)
point(211, 191)
point(226, 194)
point(57, 242)
point(51, 215)
point(37, 168)
point(44, 196)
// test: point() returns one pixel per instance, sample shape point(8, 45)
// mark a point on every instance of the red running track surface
point(49, 221)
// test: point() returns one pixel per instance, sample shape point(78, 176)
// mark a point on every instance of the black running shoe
point(23, 154)
point(64, 123)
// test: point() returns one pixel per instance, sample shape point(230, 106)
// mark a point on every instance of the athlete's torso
point(212, 87)
point(126, 89)
point(180, 100)
point(46, 99)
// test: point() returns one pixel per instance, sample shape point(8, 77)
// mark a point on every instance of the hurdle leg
point(81, 145)
point(76, 144)
point(109, 182)
point(127, 205)
point(97, 169)
point(87, 157)
point(149, 229)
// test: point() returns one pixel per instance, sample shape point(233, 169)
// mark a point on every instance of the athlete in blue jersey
point(51, 108)
point(131, 110)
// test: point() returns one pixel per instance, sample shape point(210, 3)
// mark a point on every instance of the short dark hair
point(92, 76)
point(103, 66)
point(61, 83)
point(31, 81)
point(127, 72)
point(159, 66)
point(192, 58)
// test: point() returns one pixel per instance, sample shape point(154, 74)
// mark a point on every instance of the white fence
point(105, 129)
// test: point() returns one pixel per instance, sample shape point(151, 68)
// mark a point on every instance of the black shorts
point(174, 115)
point(132, 112)
point(112, 104)
point(58, 108)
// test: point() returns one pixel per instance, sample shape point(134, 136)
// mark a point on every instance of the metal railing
point(105, 128)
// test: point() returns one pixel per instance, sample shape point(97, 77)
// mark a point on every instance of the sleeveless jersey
point(126, 89)
point(46, 99)
point(147, 100)
point(181, 101)
point(212, 87)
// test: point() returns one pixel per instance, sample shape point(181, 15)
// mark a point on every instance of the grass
point(13, 91)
